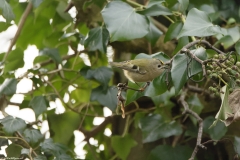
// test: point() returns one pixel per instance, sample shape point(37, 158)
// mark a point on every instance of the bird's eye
point(159, 66)
point(134, 67)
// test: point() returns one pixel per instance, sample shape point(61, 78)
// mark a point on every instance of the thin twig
point(200, 123)
point(20, 27)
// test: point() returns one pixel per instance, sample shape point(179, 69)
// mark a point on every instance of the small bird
point(141, 70)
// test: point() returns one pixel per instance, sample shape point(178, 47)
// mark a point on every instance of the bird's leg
point(144, 87)
point(121, 100)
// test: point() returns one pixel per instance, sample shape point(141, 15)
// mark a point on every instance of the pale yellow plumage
point(140, 70)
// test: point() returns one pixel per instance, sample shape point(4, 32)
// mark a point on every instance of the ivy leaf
point(6, 10)
point(216, 132)
point(13, 150)
point(8, 87)
point(107, 98)
point(168, 152)
point(36, 3)
point(153, 34)
point(56, 149)
point(173, 31)
point(199, 24)
point(123, 23)
point(60, 129)
point(101, 74)
point(122, 145)
point(154, 127)
point(237, 47)
point(14, 60)
point(225, 110)
point(179, 71)
point(97, 39)
point(33, 136)
point(195, 67)
point(38, 104)
point(155, 10)
point(40, 157)
point(11, 124)
point(52, 53)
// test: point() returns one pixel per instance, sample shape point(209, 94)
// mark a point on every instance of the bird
point(141, 70)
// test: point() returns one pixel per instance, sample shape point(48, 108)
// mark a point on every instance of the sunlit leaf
point(199, 24)
point(14, 60)
point(122, 145)
point(59, 126)
point(123, 23)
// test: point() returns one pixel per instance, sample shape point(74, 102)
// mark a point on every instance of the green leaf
point(6, 10)
point(153, 34)
point(56, 149)
point(216, 132)
point(165, 99)
point(237, 144)
point(123, 23)
point(14, 60)
point(8, 87)
point(11, 124)
point(226, 41)
point(181, 42)
point(60, 129)
point(195, 67)
point(134, 95)
point(173, 31)
point(154, 127)
point(97, 39)
point(101, 74)
point(38, 104)
point(4, 26)
point(52, 53)
point(36, 3)
point(183, 5)
point(13, 150)
point(225, 110)
point(179, 71)
point(167, 152)
point(107, 98)
point(237, 47)
point(122, 145)
point(40, 157)
point(195, 105)
point(32, 136)
point(199, 24)
point(155, 10)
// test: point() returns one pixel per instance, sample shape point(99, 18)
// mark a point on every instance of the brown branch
point(63, 58)
point(200, 123)
point(97, 129)
point(20, 27)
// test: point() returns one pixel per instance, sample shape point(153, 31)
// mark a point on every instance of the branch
point(63, 58)
point(97, 129)
point(20, 27)
point(200, 122)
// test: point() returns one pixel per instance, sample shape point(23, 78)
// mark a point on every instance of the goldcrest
point(141, 70)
